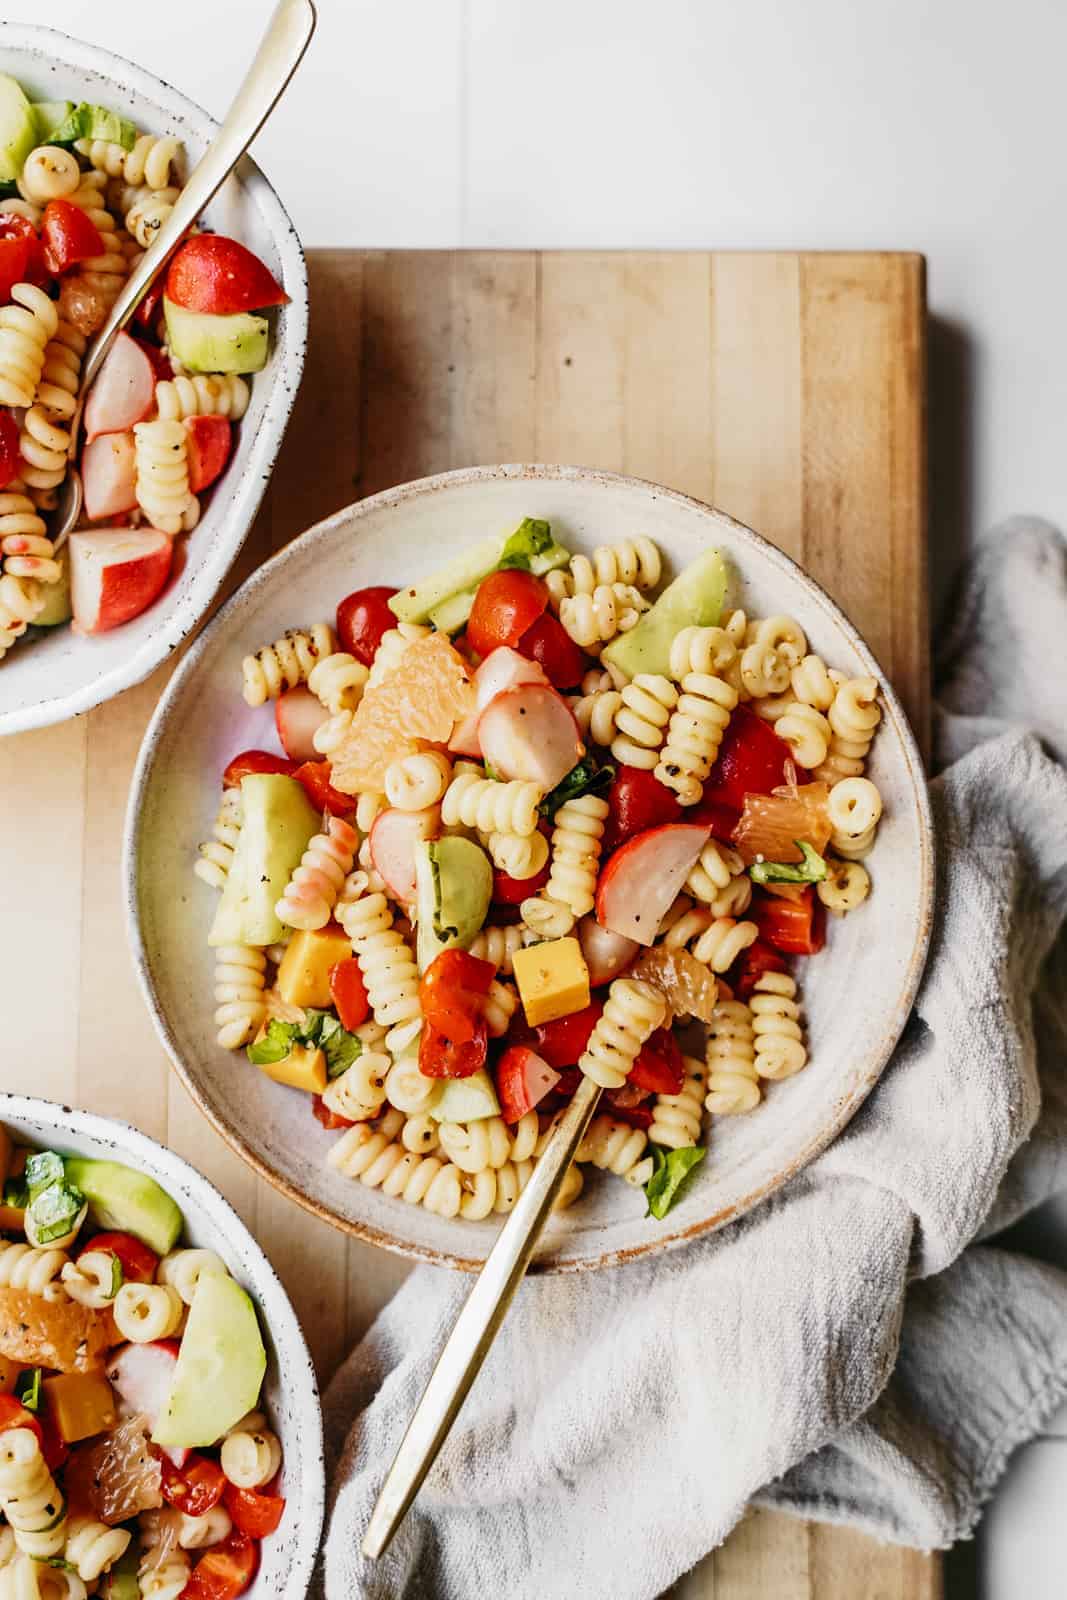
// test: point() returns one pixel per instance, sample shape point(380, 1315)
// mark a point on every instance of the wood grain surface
point(786, 389)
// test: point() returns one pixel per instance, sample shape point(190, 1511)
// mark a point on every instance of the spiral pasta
point(694, 734)
point(162, 468)
point(499, 1006)
point(853, 716)
point(29, 1497)
point(854, 807)
point(21, 599)
point(716, 941)
point(145, 1312)
point(733, 1083)
point(713, 871)
point(160, 1576)
point(497, 945)
point(183, 1269)
point(315, 884)
point(768, 660)
point(576, 842)
point(240, 979)
point(87, 295)
point(200, 1533)
point(846, 886)
point(416, 782)
point(48, 173)
point(473, 1146)
point(93, 1547)
point(216, 853)
point(148, 213)
point(408, 1090)
point(338, 680)
point(806, 732)
point(287, 662)
point(641, 719)
point(634, 562)
point(250, 1456)
point(26, 326)
point(592, 619)
point(546, 919)
point(89, 1279)
point(776, 1024)
point(612, 1146)
point(707, 651)
point(813, 683)
point(370, 1155)
point(388, 967)
point(24, 546)
point(633, 1011)
point(596, 708)
point(520, 857)
point(148, 162)
point(677, 1118)
point(202, 394)
point(491, 807)
point(38, 1270)
point(359, 1092)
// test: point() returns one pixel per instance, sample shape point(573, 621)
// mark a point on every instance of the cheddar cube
point(304, 974)
point(81, 1403)
point(303, 1068)
point(553, 980)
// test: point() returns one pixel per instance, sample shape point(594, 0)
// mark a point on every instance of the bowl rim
point(136, 1145)
point(133, 81)
point(838, 1116)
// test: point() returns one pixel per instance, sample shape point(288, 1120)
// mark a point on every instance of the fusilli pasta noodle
point(202, 394)
point(716, 941)
point(388, 967)
point(368, 1154)
point(707, 651)
point(38, 1270)
point(200, 1533)
point(694, 734)
point(612, 1146)
point(677, 1118)
point(25, 548)
point(592, 619)
point(500, 1005)
point(287, 662)
point(813, 684)
point(240, 979)
point(162, 466)
point(315, 884)
point(576, 837)
point(29, 1497)
point(491, 807)
point(145, 1312)
point(216, 853)
point(854, 808)
point(733, 1083)
point(517, 855)
point(776, 1024)
point(48, 173)
point(633, 1011)
point(853, 716)
point(359, 1092)
point(408, 1090)
point(89, 1279)
point(596, 708)
point(26, 326)
point(250, 1456)
point(497, 945)
point(149, 162)
point(641, 719)
point(416, 782)
point(846, 886)
point(44, 443)
point(473, 1146)
point(183, 1269)
point(806, 732)
point(21, 599)
point(93, 1547)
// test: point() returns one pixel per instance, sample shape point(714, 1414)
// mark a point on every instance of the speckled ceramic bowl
point(856, 995)
point(290, 1391)
point(57, 674)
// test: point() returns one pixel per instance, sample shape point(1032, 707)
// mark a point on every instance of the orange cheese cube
point(81, 1404)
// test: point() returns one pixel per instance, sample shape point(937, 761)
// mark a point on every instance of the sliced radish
point(523, 1078)
point(642, 879)
point(606, 953)
point(298, 715)
point(502, 669)
point(464, 739)
point(115, 574)
point(109, 476)
point(209, 442)
point(529, 732)
point(142, 1375)
point(393, 837)
point(125, 391)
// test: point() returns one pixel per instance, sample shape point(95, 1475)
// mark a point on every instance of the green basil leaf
point(54, 1211)
point(811, 870)
point(586, 778)
point(531, 538)
point(118, 1277)
point(28, 1388)
point(672, 1167)
point(275, 1045)
point(341, 1049)
point(491, 772)
point(60, 1564)
point(43, 1169)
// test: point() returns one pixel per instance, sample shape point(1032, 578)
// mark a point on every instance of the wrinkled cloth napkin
point(847, 1351)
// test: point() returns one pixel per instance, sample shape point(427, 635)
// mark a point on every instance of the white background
point(931, 125)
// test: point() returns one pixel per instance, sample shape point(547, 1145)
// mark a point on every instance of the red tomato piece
point(14, 260)
point(442, 1057)
point(362, 618)
point(137, 1261)
point(753, 963)
point(196, 1488)
point(659, 1067)
point(9, 435)
point(452, 991)
point(508, 891)
point(638, 801)
point(212, 273)
point(253, 1511)
point(349, 993)
point(252, 761)
point(722, 820)
point(315, 776)
point(68, 235)
point(504, 607)
point(224, 1571)
point(635, 1116)
point(548, 643)
point(27, 262)
point(13, 1414)
point(561, 1042)
point(751, 760)
point(330, 1120)
point(794, 926)
point(149, 307)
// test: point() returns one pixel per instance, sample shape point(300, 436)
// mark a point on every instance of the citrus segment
point(420, 701)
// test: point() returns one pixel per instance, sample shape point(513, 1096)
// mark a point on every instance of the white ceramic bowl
point(856, 995)
point(290, 1391)
point(59, 674)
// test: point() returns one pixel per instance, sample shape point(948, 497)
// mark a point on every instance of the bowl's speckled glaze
point(857, 995)
point(290, 1390)
point(58, 674)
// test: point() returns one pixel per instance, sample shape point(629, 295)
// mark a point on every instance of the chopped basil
point(320, 1030)
point(60, 1564)
point(275, 1044)
point(28, 1388)
point(491, 772)
point(42, 1170)
point(811, 870)
point(531, 538)
point(672, 1167)
point(54, 1212)
point(118, 1277)
point(586, 778)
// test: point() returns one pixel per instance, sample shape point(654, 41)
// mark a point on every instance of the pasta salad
point(134, 1457)
point(82, 195)
point(540, 815)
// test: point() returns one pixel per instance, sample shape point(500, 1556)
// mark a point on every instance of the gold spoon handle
point(468, 1344)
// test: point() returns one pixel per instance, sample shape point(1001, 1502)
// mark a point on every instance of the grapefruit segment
point(419, 702)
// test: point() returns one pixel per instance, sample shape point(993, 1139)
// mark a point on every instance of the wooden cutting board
point(786, 389)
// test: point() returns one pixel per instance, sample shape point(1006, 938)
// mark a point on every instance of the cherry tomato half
point(137, 1261)
point(254, 761)
point(224, 1571)
point(315, 776)
point(637, 801)
point(330, 1120)
point(508, 891)
point(362, 617)
point(753, 963)
point(452, 991)
point(504, 607)
point(349, 993)
point(253, 1512)
point(751, 760)
point(196, 1488)
point(794, 926)
point(549, 644)
point(68, 235)
point(442, 1057)
point(659, 1067)
point(561, 1042)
